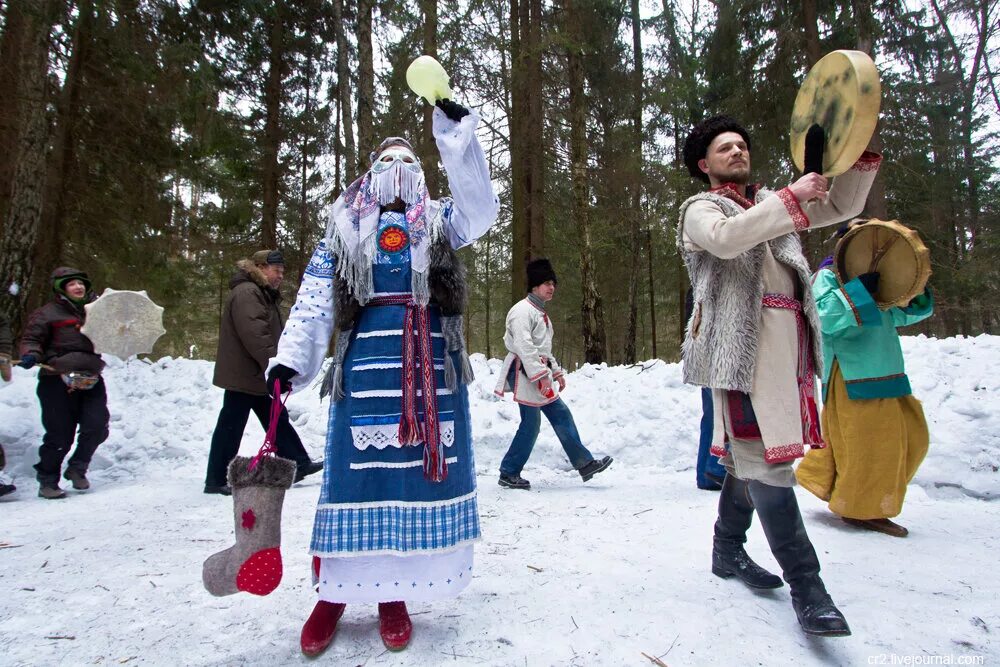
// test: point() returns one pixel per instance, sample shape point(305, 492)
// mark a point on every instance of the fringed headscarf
point(353, 224)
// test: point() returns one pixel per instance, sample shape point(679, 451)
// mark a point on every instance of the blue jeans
point(706, 462)
point(524, 440)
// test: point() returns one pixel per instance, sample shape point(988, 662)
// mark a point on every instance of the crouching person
point(529, 372)
point(70, 387)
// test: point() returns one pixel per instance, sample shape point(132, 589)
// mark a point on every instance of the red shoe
point(318, 631)
point(394, 625)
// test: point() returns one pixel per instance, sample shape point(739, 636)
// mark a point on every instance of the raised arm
point(843, 307)
point(473, 206)
point(306, 337)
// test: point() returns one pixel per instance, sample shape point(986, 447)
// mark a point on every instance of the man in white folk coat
point(535, 378)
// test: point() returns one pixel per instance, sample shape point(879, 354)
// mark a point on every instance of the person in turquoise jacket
point(875, 429)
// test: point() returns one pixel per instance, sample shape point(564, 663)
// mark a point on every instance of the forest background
point(153, 143)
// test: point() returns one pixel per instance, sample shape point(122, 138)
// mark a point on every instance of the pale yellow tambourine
point(841, 94)
point(427, 78)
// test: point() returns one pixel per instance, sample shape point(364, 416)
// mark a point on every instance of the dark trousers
point(63, 412)
point(236, 408)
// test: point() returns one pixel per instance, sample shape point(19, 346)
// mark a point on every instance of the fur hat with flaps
point(697, 143)
point(539, 271)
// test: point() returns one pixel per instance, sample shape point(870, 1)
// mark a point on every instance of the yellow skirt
point(874, 449)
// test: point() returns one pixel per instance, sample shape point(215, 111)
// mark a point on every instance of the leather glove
point(27, 361)
point(282, 374)
point(452, 110)
point(545, 387)
point(5, 367)
point(870, 281)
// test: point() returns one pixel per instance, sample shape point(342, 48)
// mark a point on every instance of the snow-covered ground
point(566, 574)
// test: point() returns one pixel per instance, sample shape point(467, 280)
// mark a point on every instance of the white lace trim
point(386, 365)
point(387, 435)
point(391, 332)
point(405, 464)
point(394, 393)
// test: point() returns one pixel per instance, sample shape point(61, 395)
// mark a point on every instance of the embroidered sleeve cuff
point(866, 313)
point(538, 376)
point(869, 161)
point(794, 209)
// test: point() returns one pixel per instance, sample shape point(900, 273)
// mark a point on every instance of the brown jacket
point(249, 332)
point(53, 335)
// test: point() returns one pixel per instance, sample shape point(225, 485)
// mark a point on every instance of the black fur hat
point(539, 271)
point(696, 146)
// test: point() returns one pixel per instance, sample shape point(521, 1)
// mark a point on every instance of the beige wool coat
point(706, 228)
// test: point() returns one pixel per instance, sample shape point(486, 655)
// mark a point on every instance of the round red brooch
point(393, 239)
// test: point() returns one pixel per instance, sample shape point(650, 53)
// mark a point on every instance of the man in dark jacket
point(248, 338)
point(70, 387)
point(6, 344)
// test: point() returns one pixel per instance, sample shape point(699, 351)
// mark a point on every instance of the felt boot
point(394, 625)
point(782, 522)
point(320, 627)
point(729, 558)
point(77, 477)
point(253, 564)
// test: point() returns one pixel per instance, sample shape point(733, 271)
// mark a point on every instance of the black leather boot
point(779, 516)
point(729, 558)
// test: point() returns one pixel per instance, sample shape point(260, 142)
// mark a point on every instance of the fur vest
point(722, 336)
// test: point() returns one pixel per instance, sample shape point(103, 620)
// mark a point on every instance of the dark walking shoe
point(318, 631)
point(736, 563)
point(597, 465)
point(7, 488)
point(51, 492)
point(307, 469)
point(78, 478)
point(885, 526)
point(514, 482)
point(223, 490)
point(816, 612)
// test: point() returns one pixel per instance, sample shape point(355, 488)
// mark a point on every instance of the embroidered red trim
point(729, 191)
point(795, 212)
point(869, 161)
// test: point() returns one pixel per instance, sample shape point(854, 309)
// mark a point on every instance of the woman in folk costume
point(753, 338)
point(397, 513)
point(875, 427)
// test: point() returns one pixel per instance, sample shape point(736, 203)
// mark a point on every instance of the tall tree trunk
point(344, 87)
point(304, 222)
point(591, 308)
point(11, 48)
point(366, 83)
point(62, 159)
point(272, 126)
point(28, 185)
point(427, 148)
point(635, 215)
point(526, 136)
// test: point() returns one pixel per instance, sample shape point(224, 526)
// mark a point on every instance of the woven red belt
point(418, 354)
point(805, 372)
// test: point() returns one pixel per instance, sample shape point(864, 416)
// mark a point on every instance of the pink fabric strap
point(269, 448)
point(418, 354)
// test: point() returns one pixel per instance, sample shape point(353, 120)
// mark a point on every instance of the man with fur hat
point(397, 514)
point(70, 387)
point(754, 339)
point(529, 371)
point(248, 338)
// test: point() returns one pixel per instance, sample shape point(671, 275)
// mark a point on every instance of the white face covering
point(396, 172)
